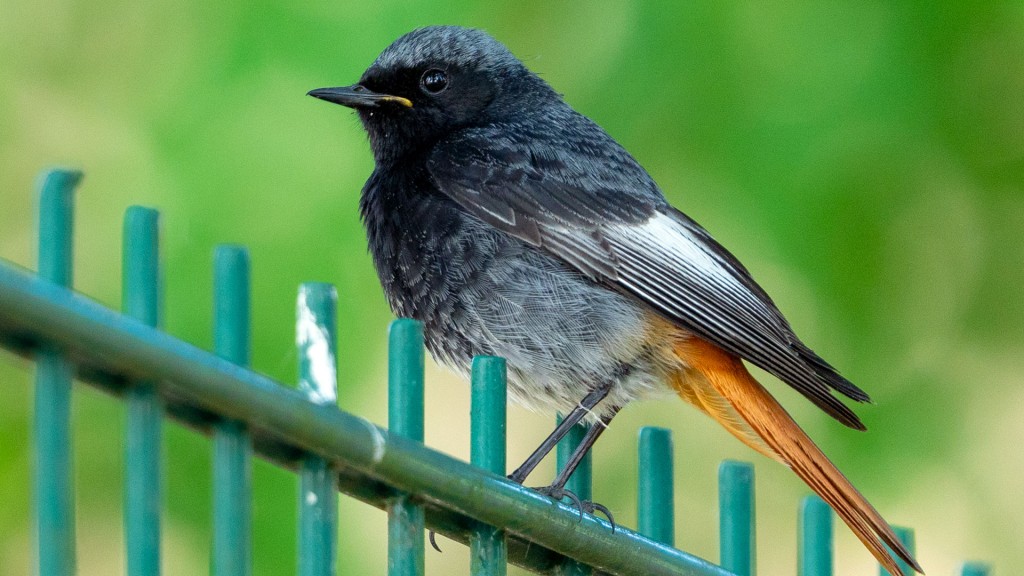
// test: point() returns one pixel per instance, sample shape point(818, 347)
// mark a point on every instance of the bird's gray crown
point(452, 45)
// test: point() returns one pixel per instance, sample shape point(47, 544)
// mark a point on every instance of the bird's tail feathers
point(719, 384)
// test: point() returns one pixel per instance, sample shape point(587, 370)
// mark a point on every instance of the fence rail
point(69, 335)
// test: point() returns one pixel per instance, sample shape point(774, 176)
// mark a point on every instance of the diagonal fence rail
point(71, 337)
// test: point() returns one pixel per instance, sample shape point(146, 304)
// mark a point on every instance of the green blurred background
point(864, 159)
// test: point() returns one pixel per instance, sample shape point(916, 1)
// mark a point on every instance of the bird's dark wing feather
point(551, 194)
point(586, 200)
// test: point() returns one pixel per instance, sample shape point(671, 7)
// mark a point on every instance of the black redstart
point(513, 226)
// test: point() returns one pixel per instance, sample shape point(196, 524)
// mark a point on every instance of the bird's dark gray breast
point(425, 254)
point(479, 291)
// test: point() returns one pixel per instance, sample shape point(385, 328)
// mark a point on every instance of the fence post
point(141, 300)
point(975, 569)
point(815, 540)
point(54, 482)
point(405, 418)
point(655, 490)
point(318, 380)
point(736, 516)
point(232, 446)
point(488, 553)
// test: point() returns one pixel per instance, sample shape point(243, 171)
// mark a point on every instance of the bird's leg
point(557, 488)
point(578, 413)
point(585, 444)
point(582, 409)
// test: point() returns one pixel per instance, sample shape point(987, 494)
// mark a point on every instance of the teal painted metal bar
point(736, 517)
point(316, 336)
point(112, 351)
point(906, 536)
point(232, 445)
point(656, 490)
point(56, 225)
point(488, 552)
point(580, 484)
point(54, 476)
point(975, 569)
point(140, 299)
point(318, 518)
point(405, 419)
point(815, 541)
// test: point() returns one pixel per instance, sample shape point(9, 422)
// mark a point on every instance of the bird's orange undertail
point(719, 384)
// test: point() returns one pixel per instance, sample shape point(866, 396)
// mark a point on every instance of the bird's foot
point(433, 541)
point(584, 506)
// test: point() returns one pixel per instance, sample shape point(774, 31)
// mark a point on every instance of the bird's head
point(433, 81)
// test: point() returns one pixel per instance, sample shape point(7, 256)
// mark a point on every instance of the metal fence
point(73, 338)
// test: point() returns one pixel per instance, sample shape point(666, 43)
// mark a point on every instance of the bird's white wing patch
point(663, 260)
point(667, 265)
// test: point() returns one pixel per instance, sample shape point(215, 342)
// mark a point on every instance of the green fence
point(73, 338)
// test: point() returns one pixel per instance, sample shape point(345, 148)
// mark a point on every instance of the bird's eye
point(434, 81)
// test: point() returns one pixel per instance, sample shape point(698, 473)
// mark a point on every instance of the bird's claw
point(433, 542)
point(584, 506)
point(593, 507)
point(558, 493)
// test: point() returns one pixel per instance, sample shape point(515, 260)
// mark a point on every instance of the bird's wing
point(589, 203)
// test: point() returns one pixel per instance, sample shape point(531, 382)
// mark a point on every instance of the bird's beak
point(357, 96)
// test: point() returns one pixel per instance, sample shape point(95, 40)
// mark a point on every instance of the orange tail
point(718, 383)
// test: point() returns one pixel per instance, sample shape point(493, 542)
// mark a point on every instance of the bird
point(512, 225)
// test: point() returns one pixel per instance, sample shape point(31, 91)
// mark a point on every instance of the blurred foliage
point(864, 159)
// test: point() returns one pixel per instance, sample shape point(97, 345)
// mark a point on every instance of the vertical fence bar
point(54, 482)
point(580, 483)
point(488, 553)
point(655, 493)
point(906, 535)
point(140, 299)
point(815, 545)
point(232, 446)
point(736, 516)
point(316, 337)
point(405, 418)
point(975, 569)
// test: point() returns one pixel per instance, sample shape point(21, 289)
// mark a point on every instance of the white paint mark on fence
point(379, 442)
point(320, 382)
